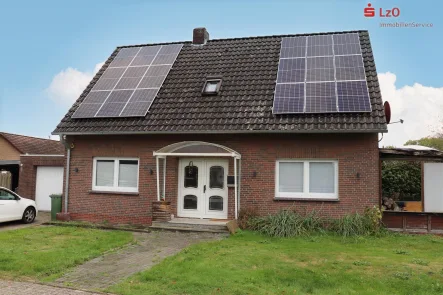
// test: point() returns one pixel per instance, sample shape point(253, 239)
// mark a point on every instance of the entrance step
point(191, 225)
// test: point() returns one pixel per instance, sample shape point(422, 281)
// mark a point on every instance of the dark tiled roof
point(244, 104)
point(33, 145)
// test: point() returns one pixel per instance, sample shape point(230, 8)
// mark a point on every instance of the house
point(215, 126)
point(35, 166)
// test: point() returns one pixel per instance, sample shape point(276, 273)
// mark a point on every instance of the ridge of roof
point(244, 38)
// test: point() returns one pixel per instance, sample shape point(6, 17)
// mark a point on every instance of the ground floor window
point(115, 174)
point(307, 179)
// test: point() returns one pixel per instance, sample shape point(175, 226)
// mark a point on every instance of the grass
point(45, 253)
point(249, 263)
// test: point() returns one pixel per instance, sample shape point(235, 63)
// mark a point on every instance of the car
point(13, 207)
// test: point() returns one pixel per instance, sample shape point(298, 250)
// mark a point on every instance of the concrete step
point(214, 228)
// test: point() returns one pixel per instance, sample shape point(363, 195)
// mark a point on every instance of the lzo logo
point(369, 11)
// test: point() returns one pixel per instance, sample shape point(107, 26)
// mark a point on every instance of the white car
point(14, 207)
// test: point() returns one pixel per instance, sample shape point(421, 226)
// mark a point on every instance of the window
point(313, 179)
point(191, 176)
point(211, 87)
point(190, 202)
point(6, 196)
point(216, 203)
point(216, 177)
point(115, 174)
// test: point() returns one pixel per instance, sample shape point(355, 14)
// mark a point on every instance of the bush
point(401, 178)
point(289, 223)
point(358, 225)
point(244, 215)
point(286, 223)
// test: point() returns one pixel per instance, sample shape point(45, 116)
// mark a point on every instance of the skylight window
point(212, 87)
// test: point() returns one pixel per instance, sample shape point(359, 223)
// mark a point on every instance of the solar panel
point(321, 98)
point(291, 70)
point(320, 45)
point(349, 67)
point(353, 96)
point(321, 74)
point(289, 98)
point(131, 82)
point(320, 69)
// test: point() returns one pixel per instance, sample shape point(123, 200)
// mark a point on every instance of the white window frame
point(114, 188)
point(306, 194)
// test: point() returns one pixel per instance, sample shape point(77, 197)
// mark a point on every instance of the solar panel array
point(130, 84)
point(321, 74)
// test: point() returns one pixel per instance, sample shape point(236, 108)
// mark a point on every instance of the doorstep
point(192, 225)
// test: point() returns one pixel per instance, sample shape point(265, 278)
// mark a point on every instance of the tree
point(433, 142)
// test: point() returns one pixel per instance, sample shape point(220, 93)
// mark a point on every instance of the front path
point(149, 250)
point(25, 288)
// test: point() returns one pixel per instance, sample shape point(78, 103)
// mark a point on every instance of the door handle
point(204, 188)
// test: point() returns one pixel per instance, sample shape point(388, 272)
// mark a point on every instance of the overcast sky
point(51, 49)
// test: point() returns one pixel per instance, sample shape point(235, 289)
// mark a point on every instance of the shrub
point(244, 215)
point(402, 178)
point(287, 223)
point(358, 225)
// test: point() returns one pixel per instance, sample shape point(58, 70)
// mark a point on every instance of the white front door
point(49, 181)
point(203, 191)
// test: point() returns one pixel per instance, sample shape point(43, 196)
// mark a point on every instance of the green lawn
point(252, 264)
point(45, 253)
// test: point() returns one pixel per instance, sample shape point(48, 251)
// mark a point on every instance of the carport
point(12, 166)
point(428, 216)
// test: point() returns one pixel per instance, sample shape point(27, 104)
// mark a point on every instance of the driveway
point(41, 218)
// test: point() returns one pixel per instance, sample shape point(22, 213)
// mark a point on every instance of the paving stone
point(25, 288)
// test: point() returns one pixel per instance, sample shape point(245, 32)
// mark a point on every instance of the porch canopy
point(197, 149)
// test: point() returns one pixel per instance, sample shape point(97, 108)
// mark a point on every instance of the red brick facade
point(356, 153)
point(28, 172)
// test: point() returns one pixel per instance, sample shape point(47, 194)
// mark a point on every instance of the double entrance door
point(202, 188)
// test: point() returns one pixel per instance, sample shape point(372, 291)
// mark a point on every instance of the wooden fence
point(5, 179)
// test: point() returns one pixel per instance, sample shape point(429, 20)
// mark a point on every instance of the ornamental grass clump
point(290, 223)
point(358, 225)
point(286, 223)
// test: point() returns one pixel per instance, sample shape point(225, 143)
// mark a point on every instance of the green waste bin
point(56, 205)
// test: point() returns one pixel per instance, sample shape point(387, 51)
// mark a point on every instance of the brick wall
point(354, 152)
point(28, 172)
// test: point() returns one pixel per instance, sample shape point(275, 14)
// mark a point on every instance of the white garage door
point(49, 181)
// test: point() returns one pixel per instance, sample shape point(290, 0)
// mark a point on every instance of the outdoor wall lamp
point(151, 171)
point(254, 174)
point(76, 170)
point(358, 175)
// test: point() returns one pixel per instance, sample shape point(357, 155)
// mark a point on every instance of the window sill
point(113, 193)
point(306, 199)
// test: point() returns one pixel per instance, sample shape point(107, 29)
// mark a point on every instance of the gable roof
point(249, 70)
point(34, 145)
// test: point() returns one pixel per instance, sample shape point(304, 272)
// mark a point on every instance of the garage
point(49, 181)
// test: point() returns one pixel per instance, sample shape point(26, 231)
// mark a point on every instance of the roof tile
point(33, 145)
point(249, 70)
